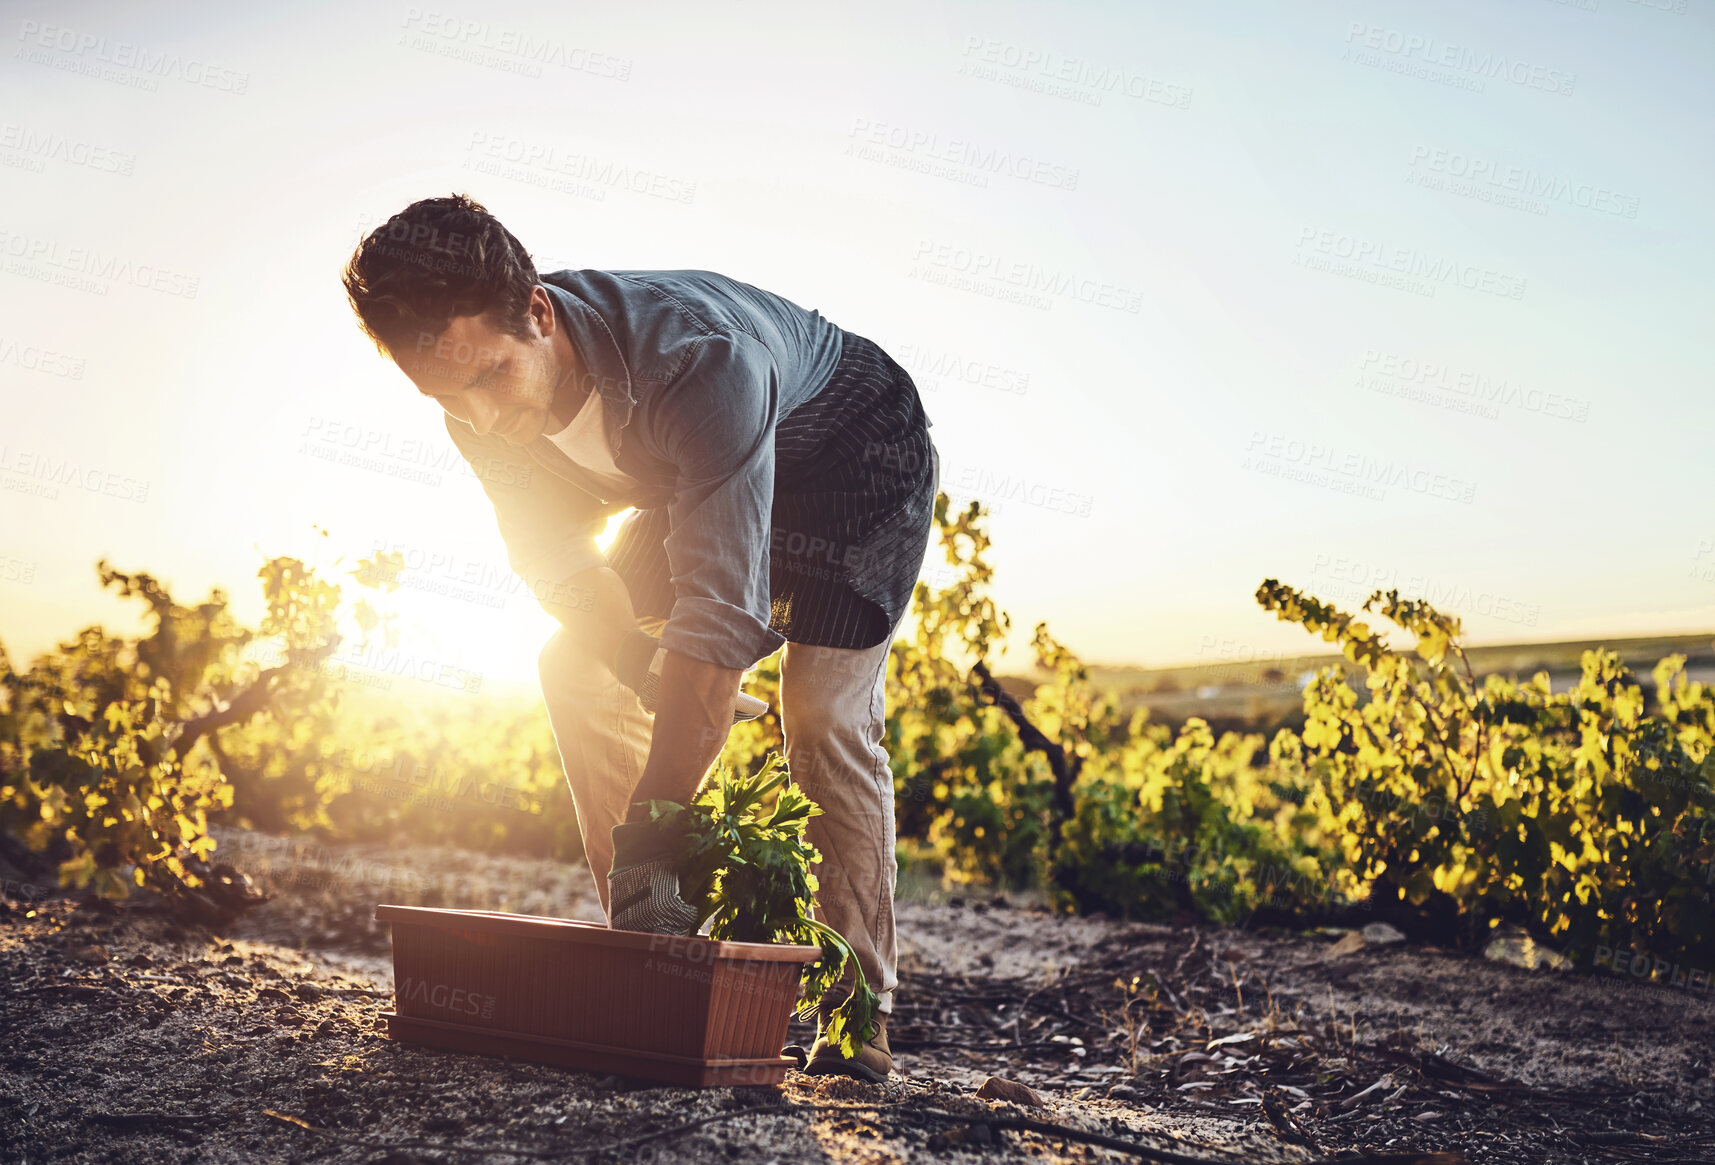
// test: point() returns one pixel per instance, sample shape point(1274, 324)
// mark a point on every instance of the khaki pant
point(833, 715)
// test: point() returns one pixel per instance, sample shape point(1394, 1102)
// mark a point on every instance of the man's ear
point(542, 311)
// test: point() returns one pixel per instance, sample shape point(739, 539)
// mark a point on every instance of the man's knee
point(824, 703)
point(806, 718)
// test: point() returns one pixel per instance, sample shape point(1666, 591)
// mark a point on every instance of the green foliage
point(1575, 812)
point(963, 783)
point(1579, 813)
point(1583, 814)
point(745, 864)
point(117, 753)
point(99, 764)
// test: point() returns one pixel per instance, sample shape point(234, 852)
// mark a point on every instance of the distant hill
point(1265, 688)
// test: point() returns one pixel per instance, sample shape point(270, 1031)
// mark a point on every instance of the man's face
point(499, 383)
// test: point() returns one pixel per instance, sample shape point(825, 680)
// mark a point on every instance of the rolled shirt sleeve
point(548, 524)
point(716, 425)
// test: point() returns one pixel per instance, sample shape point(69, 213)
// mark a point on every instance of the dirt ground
point(125, 1036)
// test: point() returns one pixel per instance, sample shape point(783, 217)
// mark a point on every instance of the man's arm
point(691, 726)
point(695, 708)
point(715, 423)
point(548, 525)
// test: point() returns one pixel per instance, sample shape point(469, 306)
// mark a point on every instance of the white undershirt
point(585, 442)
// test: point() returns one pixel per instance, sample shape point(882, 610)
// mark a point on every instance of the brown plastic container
point(679, 1010)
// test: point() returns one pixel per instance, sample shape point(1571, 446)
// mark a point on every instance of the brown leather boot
point(873, 1062)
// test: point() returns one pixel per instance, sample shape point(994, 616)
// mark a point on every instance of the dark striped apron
point(854, 503)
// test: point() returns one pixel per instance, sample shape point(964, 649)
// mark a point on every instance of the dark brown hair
point(437, 259)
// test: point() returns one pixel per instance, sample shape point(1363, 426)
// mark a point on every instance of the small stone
point(1000, 1088)
point(273, 993)
point(308, 992)
point(1350, 944)
point(1124, 1092)
point(1520, 950)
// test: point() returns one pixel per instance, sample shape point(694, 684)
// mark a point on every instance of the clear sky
point(1347, 293)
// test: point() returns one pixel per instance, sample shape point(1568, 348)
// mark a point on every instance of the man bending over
point(783, 483)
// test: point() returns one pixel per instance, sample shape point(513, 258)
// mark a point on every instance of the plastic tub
point(679, 1010)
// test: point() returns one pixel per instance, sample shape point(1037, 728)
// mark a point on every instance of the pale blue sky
point(1259, 410)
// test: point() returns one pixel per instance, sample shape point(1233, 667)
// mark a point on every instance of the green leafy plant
point(1576, 812)
point(745, 868)
point(100, 769)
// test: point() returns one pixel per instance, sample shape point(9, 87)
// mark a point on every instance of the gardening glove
point(638, 665)
point(643, 886)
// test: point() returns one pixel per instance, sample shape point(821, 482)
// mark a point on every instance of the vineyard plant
point(1427, 795)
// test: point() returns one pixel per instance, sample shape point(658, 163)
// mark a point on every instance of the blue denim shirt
point(694, 371)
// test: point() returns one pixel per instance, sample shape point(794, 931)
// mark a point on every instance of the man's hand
point(691, 726)
point(638, 664)
point(643, 885)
